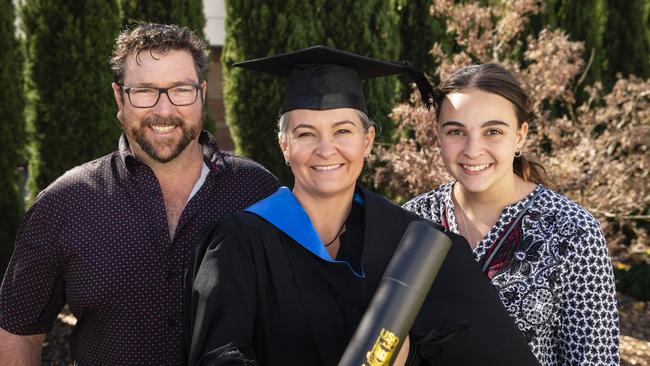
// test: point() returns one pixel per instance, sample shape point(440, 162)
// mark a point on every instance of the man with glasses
point(111, 238)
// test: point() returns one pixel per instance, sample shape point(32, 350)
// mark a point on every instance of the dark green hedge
point(419, 31)
point(12, 129)
point(70, 106)
point(616, 31)
point(183, 12)
point(634, 281)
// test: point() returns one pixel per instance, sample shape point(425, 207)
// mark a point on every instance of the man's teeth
point(327, 167)
point(163, 128)
point(475, 168)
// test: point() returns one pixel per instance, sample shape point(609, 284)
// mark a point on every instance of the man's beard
point(149, 147)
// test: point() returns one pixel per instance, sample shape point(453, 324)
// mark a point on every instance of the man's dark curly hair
point(159, 38)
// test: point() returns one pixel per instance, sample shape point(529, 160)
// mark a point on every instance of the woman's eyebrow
point(346, 121)
point(303, 125)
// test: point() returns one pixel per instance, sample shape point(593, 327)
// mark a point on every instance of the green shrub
point(634, 280)
point(70, 106)
point(12, 127)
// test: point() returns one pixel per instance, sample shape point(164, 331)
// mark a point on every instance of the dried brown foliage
point(596, 153)
point(601, 160)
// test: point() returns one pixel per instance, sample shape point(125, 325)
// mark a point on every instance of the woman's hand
point(403, 354)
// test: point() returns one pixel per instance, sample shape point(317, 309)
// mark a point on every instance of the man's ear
point(204, 90)
point(119, 96)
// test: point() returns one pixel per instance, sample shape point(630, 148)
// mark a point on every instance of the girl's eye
point(455, 132)
point(494, 131)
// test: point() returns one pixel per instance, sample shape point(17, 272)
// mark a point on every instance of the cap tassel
point(424, 86)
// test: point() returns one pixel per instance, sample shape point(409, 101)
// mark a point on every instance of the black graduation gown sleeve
point(220, 299)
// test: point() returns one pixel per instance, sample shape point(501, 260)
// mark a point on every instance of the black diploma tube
point(399, 296)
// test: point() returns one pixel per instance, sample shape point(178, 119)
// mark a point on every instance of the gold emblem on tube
point(383, 350)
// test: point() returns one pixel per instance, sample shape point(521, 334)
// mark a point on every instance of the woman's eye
point(454, 132)
point(305, 134)
point(343, 130)
point(492, 132)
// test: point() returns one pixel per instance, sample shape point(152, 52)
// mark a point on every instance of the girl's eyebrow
point(492, 122)
point(453, 123)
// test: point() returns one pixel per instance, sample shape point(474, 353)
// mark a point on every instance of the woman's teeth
point(327, 167)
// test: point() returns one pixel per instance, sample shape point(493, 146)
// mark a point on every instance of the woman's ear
point(369, 140)
point(284, 146)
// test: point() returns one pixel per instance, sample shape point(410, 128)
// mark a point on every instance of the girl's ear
point(522, 132)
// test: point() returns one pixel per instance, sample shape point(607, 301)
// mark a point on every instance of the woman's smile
point(326, 168)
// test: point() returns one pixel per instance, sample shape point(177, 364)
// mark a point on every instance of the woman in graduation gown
point(287, 280)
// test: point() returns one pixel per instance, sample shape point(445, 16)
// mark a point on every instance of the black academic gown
point(253, 293)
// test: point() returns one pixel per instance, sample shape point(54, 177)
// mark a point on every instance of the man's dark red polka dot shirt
point(97, 239)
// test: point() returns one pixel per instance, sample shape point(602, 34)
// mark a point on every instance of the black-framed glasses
point(147, 97)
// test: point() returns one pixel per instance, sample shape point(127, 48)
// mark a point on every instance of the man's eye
point(183, 89)
point(142, 91)
point(493, 132)
point(455, 132)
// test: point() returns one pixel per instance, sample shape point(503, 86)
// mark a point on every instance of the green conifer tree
point(627, 47)
point(70, 108)
point(419, 31)
point(584, 20)
point(257, 28)
point(183, 12)
point(617, 32)
point(12, 127)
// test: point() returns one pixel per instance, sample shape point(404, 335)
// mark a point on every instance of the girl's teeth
point(475, 168)
point(163, 129)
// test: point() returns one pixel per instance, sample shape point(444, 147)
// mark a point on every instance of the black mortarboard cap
point(323, 78)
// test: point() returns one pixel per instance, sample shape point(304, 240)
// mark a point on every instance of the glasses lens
point(143, 97)
point(182, 94)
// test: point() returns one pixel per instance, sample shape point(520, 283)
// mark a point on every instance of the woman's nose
point(325, 148)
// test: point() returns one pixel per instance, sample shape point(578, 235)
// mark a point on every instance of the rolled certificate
point(399, 296)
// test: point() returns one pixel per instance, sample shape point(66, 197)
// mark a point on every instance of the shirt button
point(171, 323)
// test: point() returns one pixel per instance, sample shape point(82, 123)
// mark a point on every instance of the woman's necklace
point(337, 235)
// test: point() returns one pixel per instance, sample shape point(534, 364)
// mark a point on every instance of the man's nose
point(164, 105)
